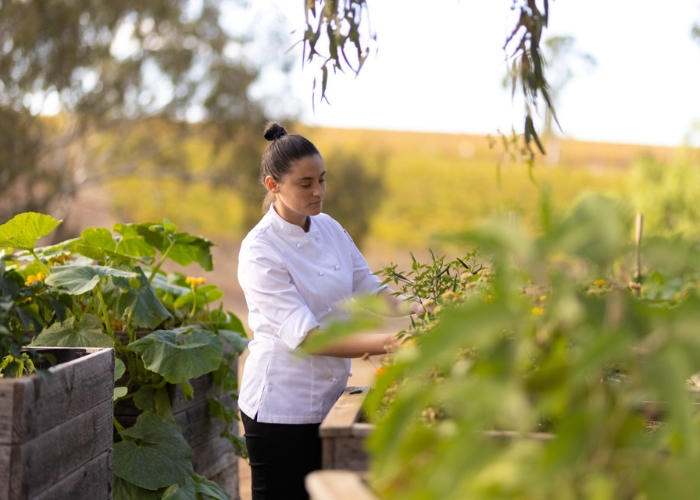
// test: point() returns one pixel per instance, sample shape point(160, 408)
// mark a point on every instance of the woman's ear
point(271, 184)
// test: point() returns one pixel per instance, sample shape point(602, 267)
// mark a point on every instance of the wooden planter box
point(337, 485)
point(343, 434)
point(213, 456)
point(56, 435)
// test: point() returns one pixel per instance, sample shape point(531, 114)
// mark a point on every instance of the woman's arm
point(354, 346)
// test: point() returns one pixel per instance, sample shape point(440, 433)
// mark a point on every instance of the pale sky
point(439, 69)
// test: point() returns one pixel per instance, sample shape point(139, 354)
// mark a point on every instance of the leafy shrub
point(105, 290)
point(564, 379)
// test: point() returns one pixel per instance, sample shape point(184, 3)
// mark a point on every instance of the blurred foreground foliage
point(554, 374)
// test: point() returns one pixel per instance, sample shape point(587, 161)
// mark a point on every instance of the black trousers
point(281, 455)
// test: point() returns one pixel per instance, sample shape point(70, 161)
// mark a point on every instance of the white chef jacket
point(294, 281)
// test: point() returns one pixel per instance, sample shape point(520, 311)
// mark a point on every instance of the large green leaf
point(99, 244)
point(153, 453)
point(77, 280)
point(196, 488)
point(23, 230)
point(199, 352)
point(124, 490)
point(87, 332)
point(186, 249)
point(138, 295)
point(237, 341)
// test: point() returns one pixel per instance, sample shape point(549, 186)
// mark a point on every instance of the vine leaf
point(23, 230)
point(153, 453)
point(200, 352)
point(85, 332)
point(77, 280)
point(138, 296)
point(195, 488)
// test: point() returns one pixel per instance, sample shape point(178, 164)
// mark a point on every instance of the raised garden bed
point(343, 433)
point(337, 485)
point(56, 434)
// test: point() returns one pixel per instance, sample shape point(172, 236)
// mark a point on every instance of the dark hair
point(278, 157)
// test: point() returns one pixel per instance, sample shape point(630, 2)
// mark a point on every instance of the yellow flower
point(437, 309)
point(599, 282)
point(543, 298)
point(409, 343)
point(448, 295)
point(465, 276)
point(33, 279)
point(195, 282)
point(380, 371)
point(488, 298)
point(427, 303)
point(537, 311)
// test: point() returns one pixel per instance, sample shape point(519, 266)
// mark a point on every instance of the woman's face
point(300, 192)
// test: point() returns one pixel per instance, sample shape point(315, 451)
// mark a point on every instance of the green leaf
point(119, 369)
point(237, 341)
point(144, 398)
point(186, 249)
point(86, 332)
point(99, 244)
point(119, 392)
point(77, 280)
point(23, 230)
point(124, 490)
point(196, 488)
point(146, 310)
point(153, 453)
point(199, 353)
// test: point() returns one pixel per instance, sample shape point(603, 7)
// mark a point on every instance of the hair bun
point(273, 131)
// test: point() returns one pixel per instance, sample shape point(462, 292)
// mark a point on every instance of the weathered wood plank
point(5, 457)
point(337, 485)
point(213, 456)
point(75, 387)
point(227, 479)
point(344, 413)
point(7, 392)
point(92, 481)
point(345, 453)
point(53, 455)
point(197, 426)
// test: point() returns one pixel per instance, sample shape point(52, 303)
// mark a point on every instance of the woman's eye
point(306, 185)
point(322, 181)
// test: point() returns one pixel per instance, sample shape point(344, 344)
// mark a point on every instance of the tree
point(127, 80)
point(355, 193)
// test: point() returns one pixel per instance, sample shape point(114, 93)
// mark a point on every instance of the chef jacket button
point(330, 309)
point(334, 379)
point(298, 245)
point(321, 273)
point(350, 374)
point(337, 267)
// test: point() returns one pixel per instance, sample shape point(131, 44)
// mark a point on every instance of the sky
point(439, 65)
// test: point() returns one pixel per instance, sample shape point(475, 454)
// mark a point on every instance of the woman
point(297, 267)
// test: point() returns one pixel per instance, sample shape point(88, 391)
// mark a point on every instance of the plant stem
point(116, 423)
point(103, 306)
point(161, 261)
point(41, 264)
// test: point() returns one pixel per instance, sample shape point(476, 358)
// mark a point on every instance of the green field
point(434, 184)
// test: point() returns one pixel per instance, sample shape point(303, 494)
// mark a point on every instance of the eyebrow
point(310, 178)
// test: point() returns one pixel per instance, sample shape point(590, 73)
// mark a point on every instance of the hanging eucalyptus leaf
point(199, 352)
point(85, 332)
point(153, 453)
point(23, 230)
point(77, 280)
